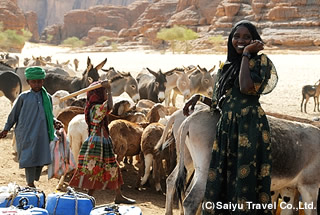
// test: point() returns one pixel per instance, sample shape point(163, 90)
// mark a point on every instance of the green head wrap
point(35, 73)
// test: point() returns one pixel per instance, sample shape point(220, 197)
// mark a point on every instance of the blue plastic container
point(116, 210)
point(65, 204)
point(35, 198)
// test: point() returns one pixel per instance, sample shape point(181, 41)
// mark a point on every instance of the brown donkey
point(311, 91)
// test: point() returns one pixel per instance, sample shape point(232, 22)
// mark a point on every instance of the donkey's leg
point(305, 104)
point(201, 160)
point(171, 189)
point(167, 99)
point(174, 98)
point(309, 194)
point(302, 103)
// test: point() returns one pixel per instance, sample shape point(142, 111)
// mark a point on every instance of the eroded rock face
point(281, 22)
point(84, 23)
point(13, 18)
point(32, 25)
point(52, 12)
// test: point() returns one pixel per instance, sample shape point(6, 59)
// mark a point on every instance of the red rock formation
point(96, 32)
point(79, 23)
point(32, 25)
point(281, 22)
point(11, 16)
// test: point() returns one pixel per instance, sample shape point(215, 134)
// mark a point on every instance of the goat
point(126, 136)
point(150, 157)
point(57, 105)
point(311, 91)
point(67, 114)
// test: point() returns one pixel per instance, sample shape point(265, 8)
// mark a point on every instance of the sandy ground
point(294, 69)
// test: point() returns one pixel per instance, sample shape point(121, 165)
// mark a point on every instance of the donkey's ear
point(201, 69)
point(88, 61)
point(98, 67)
point(152, 72)
point(89, 67)
point(211, 70)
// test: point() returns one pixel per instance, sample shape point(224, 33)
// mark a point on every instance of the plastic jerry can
point(69, 203)
point(23, 209)
point(35, 197)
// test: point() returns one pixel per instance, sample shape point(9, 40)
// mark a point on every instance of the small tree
point(177, 33)
point(189, 35)
point(73, 42)
point(49, 38)
point(11, 40)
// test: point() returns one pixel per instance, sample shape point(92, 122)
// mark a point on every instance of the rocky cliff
point(12, 17)
point(293, 23)
point(282, 22)
point(52, 12)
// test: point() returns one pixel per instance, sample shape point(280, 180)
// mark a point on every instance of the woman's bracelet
point(246, 54)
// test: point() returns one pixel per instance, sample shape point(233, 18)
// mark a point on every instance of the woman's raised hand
point(254, 47)
point(191, 102)
point(106, 84)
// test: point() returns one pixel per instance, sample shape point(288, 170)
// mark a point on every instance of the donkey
point(11, 61)
point(10, 85)
point(289, 141)
point(122, 82)
point(311, 91)
point(177, 80)
point(201, 81)
point(76, 64)
point(152, 85)
point(55, 82)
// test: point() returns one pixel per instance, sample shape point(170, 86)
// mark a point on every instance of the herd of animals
point(176, 148)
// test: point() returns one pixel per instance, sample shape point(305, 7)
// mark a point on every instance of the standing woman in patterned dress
point(240, 166)
point(98, 168)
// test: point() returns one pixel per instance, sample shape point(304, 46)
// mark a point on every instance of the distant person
point(98, 168)
point(33, 117)
point(240, 166)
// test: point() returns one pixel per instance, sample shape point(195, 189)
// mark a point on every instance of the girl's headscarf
point(230, 71)
point(95, 97)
